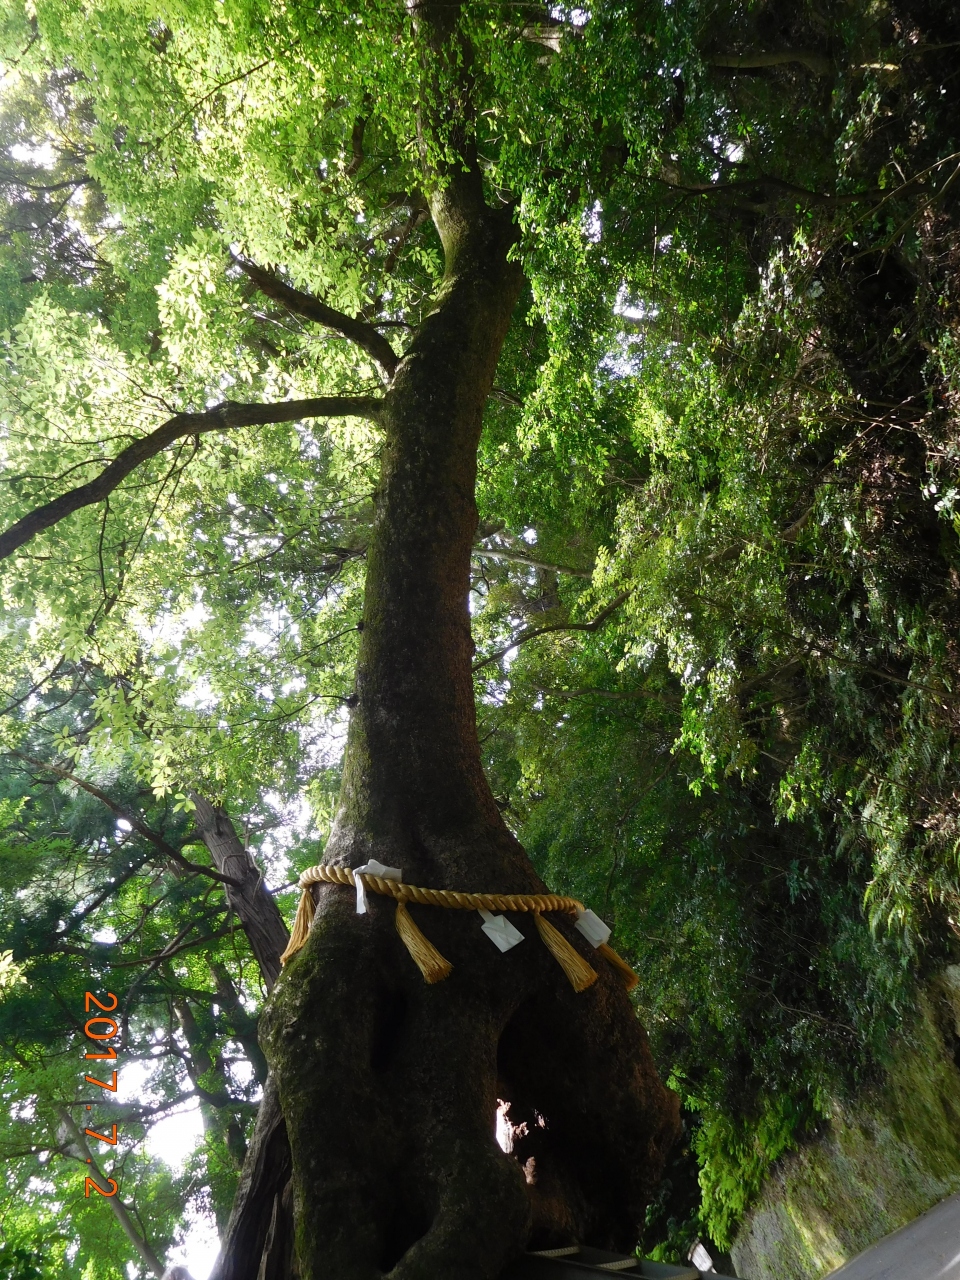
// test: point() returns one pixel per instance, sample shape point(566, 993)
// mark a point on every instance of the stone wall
point(878, 1164)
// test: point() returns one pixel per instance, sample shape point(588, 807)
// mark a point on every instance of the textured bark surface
point(258, 1229)
point(390, 1087)
point(375, 1151)
point(258, 1241)
point(253, 903)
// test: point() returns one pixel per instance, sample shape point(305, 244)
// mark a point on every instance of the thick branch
point(515, 557)
point(303, 304)
point(546, 33)
point(11, 179)
point(814, 62)
point(533, 632)
point(356, 146)
point(222, 417)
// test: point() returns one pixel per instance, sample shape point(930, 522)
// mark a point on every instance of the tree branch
point(113, 885)
point(801, 194)
point(186, 115)
point(356, 146)
point(667, 699)
point(814, 62)
point(174, 948)
point(417, 216)
point(222, 417)
point(516, 558)
point(141, 828)
point(120, 1210)
point(364, 335)
point(8, 177)
point(533, 632)
point(548, 33)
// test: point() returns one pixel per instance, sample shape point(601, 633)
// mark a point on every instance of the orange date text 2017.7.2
point(101, 1028)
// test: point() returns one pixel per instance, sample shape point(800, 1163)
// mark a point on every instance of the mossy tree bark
point(388, 1087)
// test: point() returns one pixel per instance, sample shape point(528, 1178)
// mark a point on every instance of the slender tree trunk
point(209, 1079)
point(253, 903)
point(117, 1206)
point(242, 1021)
point(389, 1087)
point(260, 1223)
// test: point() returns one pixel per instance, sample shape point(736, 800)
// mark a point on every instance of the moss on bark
point(390, 1088)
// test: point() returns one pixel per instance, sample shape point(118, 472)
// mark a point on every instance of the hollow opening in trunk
point(509, 1131)
point(390, 1020)
point(406, 1223)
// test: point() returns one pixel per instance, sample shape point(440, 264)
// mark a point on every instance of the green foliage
point(17, 1263)
point(726, 407)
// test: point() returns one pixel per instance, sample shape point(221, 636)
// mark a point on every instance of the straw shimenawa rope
point(430, 962)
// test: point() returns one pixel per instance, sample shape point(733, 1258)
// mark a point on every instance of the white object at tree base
point(372, 868)
point(700, 1258)
point(592, 928)
point(499, 930)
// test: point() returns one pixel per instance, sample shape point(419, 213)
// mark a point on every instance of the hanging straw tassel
point(624, 972)
point(570, 960)
point(301, 926)
point(425, 955)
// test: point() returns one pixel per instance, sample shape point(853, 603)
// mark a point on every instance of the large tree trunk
point(383, 1093)
point(389, 1087)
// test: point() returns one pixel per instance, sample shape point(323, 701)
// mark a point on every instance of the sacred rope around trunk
point(430, 962)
